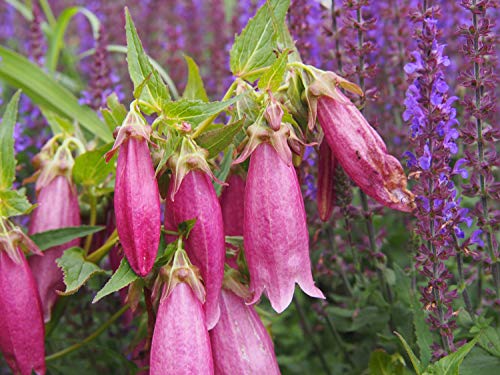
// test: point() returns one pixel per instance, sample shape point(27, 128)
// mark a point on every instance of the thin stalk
point(89, 338)
point(480, 152)
point(209, 120)
point(93, 218)
point(151, 316)
point(386, 289)
point(309, 334)
point(101, 252)
point(461, 279)
point(337, 40)
point(331, 239)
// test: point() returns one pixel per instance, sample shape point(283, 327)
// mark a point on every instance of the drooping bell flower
point(240, 342)
point(137, 199)
point(275, 235)
point(21, 319)
point(196, 199)
point(276, 239)
point(57, 208)
point(232, 203)
point(326, 171)
point(358, 148)
point(181, 344)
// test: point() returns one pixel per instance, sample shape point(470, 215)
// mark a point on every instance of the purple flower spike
point(275, 231)
point(240, 342)
point(21, 323)
point(57, 208)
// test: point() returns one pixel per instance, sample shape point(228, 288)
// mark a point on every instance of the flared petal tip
point(311, 290)
point(213, 317)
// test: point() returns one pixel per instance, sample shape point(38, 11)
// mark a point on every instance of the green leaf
point(413, 358)
point(423, 334)
point(194, 87)
point(225, 167)
point(215, 141)
point(57, 123)
point(154, 92)
point(273, 76)
point(167, 150)
point(382, 363)
point(123, 276)
point(14, 203)
point(91, 169)
point(450, 364)
point(76, 269)
point(479, 362)
point(45, 91)
point(116, 112)
point(56, 40)
point(7, 158)
point(55, 237)
point(193, 111)
point(254, 48)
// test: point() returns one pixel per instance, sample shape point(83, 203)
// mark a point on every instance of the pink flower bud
point(240, 342)
point(137, 204)
point(196, 199)
point(362, 153)
point(181, 344)
point(21, 322)
point(275, 231)
point(326, 172)
point(274, 113)
point(231, 201)
point(57, 208)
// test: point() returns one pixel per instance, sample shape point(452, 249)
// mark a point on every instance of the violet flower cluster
point(433, 133)
point(480, 131)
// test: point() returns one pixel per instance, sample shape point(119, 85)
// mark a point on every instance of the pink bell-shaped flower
point(196, 199)
point(21, 320)
point(275, 236)
point(232, 203)
point(240, 342)
point(137, 199)
point(57, 208)
point(357, 147)
point(181, 344)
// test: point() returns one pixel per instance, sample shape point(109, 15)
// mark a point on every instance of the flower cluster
point(433, 133)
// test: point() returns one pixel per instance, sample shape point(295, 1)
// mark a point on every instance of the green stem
point(44, 4)
point(93, 218)
point(309, 334)
point(101, 252)
point(461, 280)
point(209, 120)
point(331, 239)
point(89, 338)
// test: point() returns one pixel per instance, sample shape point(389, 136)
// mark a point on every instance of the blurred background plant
point(430, 76)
